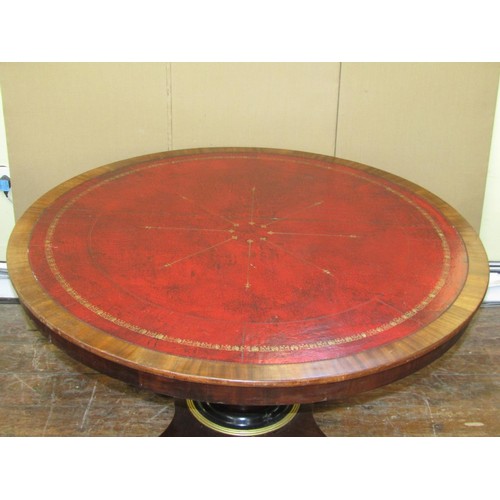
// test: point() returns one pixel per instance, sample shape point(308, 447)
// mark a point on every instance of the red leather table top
point(248, 257)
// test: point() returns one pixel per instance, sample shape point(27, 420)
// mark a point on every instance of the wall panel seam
point(339, 79)
point(168, 84)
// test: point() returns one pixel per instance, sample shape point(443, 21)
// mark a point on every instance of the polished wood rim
point(235, 383)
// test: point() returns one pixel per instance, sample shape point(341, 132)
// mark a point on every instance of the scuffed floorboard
point(43, 392)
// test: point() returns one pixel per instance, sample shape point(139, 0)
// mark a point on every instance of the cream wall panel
point(64, 118)
point(490, 220)
point(278, 105)
point(428, 122)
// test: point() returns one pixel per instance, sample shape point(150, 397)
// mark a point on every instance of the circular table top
point(246, 275)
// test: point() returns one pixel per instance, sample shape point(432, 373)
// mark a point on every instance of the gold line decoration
point(279, 219)
point(173, 228)
point(250, 242)
point(305, 261)
point(185, 198)
point(170, 264)
point(252, 207)
point(68, 288)
point(316, 234)
point(287, 418)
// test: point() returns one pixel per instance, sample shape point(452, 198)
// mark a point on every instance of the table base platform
point(200, 419)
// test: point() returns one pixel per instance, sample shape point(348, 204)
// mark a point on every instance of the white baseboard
point(492, 297)
point(7, 292)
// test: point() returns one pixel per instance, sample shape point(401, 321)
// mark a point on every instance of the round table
point(247, 283)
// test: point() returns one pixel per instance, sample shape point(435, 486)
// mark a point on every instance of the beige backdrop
point(431, 123)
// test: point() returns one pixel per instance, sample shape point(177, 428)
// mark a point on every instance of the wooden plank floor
point(43, 392)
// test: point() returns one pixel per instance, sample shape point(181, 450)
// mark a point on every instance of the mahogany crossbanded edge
point(235, 383)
